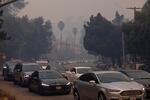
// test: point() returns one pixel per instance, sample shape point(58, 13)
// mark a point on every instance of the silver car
point(107, 85)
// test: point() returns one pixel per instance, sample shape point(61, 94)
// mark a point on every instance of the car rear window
point(31, 67)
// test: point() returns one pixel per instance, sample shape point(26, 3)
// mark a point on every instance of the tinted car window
point(88, 77)
point(112, 77)
point(50, 75)
point(138, 74)
point(73, 70)
point(31, 67)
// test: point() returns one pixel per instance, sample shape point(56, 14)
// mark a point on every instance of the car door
point(34, 81)
point(17, 71)
point(87, 90)
point(92, 87)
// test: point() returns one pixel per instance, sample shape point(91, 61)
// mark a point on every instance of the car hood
point(55, 81)
point(145, 82)
point(123, 86)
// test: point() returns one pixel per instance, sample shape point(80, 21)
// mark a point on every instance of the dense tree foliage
point(30, 38)
point(102, 38)
point(137, 34)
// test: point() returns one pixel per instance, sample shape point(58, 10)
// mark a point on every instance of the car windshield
point(31, 67)
point(83, 70)
point(50, 75)
point(138, 74)
point(112, 77)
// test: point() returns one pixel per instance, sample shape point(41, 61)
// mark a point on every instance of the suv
point(23, 71)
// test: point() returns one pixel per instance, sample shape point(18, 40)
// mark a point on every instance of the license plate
point(133, 98)
point(58, 88)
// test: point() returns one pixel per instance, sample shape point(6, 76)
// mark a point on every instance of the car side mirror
point(92, 82)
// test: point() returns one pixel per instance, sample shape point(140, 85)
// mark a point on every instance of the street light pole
point(123, 50)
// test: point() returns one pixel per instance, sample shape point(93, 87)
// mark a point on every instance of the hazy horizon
point(56, 10)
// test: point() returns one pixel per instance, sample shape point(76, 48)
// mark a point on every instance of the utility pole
point(134, 9)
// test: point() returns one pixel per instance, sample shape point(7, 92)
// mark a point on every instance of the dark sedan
point(49, 82)
point(141, 77)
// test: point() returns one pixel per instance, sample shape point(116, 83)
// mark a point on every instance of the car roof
point(103, 72)
point(40, 71)
point(131, 70)
point(81, 67)
point(29, 63)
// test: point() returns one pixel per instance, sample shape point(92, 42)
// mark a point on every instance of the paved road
point(23, 94)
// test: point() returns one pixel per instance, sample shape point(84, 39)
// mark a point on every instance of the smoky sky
point(56, 10)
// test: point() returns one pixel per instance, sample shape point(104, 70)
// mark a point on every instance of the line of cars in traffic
point(37, 80)
point(84, 82)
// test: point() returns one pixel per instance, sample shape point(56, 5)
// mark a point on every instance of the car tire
point(40, 91)
point(68, 92)
point(21, 83)
point(101, 96)
point(30, 89)
point(15, 82)
point(76, 95)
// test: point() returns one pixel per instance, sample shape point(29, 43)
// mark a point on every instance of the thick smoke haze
point(62, 9)
point(75, 12)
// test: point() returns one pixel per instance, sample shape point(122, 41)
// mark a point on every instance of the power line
point(134, 9)
point(7, 3)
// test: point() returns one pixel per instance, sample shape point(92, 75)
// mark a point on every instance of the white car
point(76, 72)
point(107, 85)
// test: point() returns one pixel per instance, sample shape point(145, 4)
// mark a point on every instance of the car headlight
point(4, 67)
point(113, 90)
point(68, 83)
point(143, 89)
point(44, 84)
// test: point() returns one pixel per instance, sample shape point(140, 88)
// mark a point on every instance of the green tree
point(30, 38)
point(102, 38)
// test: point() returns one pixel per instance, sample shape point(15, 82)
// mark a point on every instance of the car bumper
point(54, 90)
point(111, 96)
point(147, 92)
point(26, 81)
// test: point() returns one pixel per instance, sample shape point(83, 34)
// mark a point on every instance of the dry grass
point(6, 96)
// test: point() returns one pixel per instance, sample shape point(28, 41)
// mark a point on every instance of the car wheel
point(101, 97)
point(40, 91)
point(68, 92)
point(21, 83)
point(76, 95)
point(15, 82)
point(30, 88)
